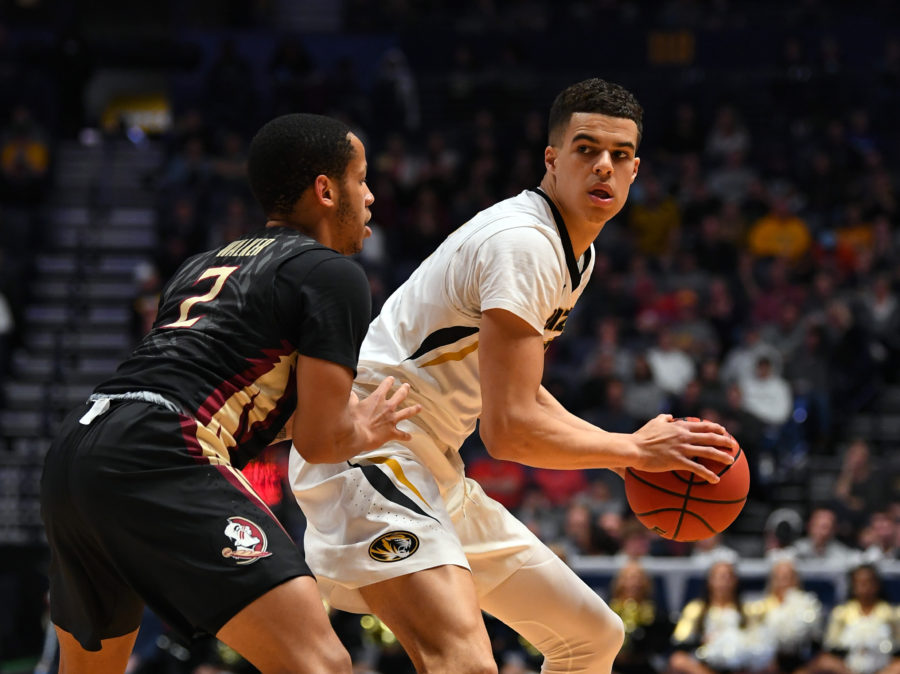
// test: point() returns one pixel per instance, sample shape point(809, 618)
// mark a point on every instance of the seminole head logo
point(393, 547)
point(248, 539)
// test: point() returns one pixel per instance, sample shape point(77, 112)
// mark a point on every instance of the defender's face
point(594, 166)
point(354, 200)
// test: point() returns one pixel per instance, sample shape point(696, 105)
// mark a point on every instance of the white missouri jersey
point(515, 255)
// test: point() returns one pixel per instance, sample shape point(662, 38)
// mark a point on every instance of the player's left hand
point(376, 416)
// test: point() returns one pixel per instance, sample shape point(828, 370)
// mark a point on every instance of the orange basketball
point(682, 506)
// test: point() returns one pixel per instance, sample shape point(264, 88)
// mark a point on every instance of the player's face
point(354, 200)
point(594, 166)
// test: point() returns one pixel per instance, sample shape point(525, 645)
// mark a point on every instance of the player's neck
point(316, 233)
point(581, 232)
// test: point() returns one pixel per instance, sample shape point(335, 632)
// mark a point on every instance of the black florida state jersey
point(230, 326)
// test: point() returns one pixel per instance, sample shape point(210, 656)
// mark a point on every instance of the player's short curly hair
point(593, 95)
point(289, 152)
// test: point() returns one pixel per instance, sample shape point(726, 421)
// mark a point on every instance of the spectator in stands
point(778, 302)
point(792, 617)
point(727, 135)
point(633, 598)
point(540, 516)
point(712, 390)
point(821, 542)
point(854, 238)
point(724, 312)
point(395, 95)
point(672, 368)
point(689, 403)
point(642, 394)
point(860, 490)
point(607, 341)
point(580, 535)
point(654, 218)
point(711, 634)
point(24, 159)
point(780, 232)
point(880, 314)
point(766, 394)
point(741, 361)
point(636, 540)
point(715, 246)
point(880, 539)
point(807, 369)
point(691, 330)
point(862, 633)
point(854, 374)
point(711, 549)
point(610, 413)
point(228, 169)
point(749, 432)
point(733, 180)
point(784, 526)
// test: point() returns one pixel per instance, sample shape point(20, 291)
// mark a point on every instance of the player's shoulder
point(320, 261)
point(523, 218)
point(528, 208)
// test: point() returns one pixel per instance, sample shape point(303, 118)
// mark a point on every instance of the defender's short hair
point(287, 154)
point(593, 95)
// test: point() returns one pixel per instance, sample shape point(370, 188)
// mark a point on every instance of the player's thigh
point(112, 657)
point(370, 521)
point(287, 629)
point(433, 612)
point(190, 536)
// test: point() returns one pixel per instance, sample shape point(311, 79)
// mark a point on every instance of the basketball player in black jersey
point(142, 497)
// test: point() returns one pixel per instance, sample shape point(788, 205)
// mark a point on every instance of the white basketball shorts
point(373, 519)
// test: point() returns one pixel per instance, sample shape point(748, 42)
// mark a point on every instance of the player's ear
point(550, 155)
point(637, 163)
point(324, 189)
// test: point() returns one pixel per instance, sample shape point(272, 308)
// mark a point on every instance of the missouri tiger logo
point(393, 546)
point(249, 541)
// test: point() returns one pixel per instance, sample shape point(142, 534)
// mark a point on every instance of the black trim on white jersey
point(388, 489)
point(443, 337)
point(571, 262)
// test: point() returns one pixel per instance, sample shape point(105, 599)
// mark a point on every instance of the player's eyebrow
point(591, 139)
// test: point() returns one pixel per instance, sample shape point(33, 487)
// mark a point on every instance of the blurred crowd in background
point(753, 278)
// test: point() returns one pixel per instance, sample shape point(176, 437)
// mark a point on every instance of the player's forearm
point(547, 436)
point(548, 400)
point(327, 440)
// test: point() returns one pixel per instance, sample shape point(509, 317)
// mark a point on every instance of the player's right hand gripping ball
point(682, 506)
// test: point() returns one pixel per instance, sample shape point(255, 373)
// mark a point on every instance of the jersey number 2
point(220, 274)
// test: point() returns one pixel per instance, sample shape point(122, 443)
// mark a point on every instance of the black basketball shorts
point(134, 514)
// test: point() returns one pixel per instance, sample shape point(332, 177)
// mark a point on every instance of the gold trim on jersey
point(246, 406)
point(212, 450)
point(395, 467)
point(456, 355)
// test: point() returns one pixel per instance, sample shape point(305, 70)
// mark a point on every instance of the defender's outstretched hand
point(376, 416)
point(668, 444)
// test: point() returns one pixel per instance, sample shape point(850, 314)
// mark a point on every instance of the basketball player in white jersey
point(400, 531)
